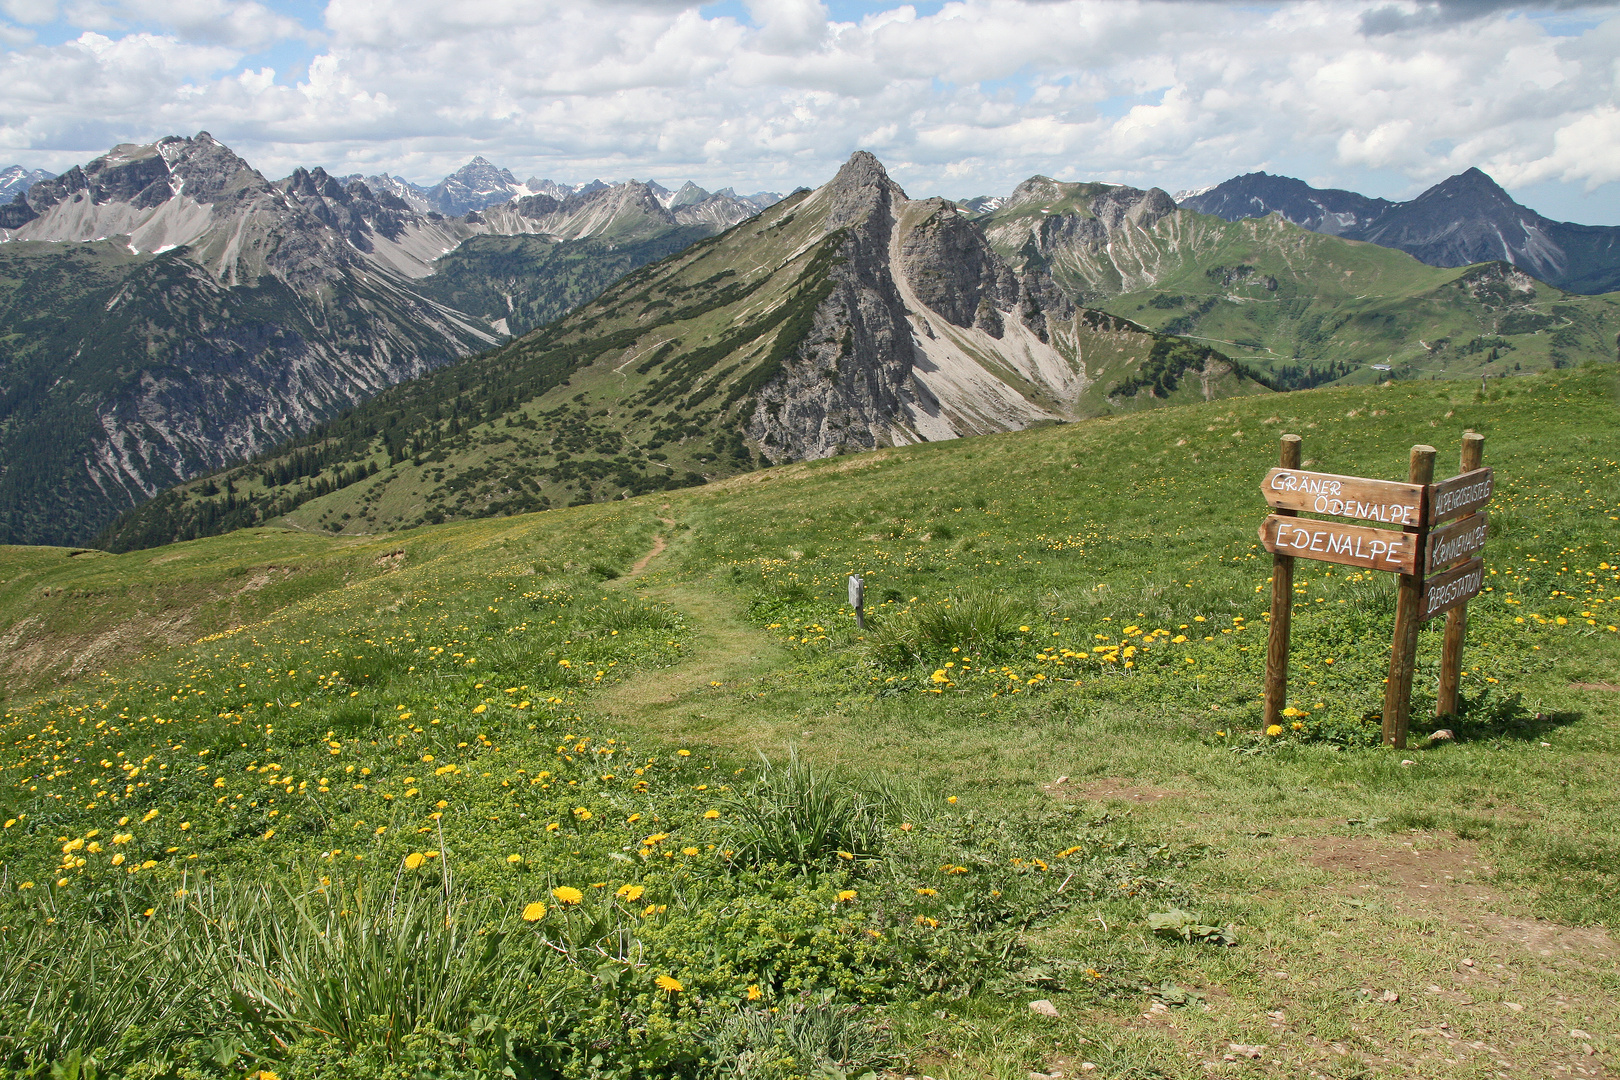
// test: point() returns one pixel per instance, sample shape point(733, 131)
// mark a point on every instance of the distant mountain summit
point(1463, 220)
point(1325, 210)
point(14, 180)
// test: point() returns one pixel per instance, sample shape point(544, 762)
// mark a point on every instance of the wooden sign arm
point(1445, 703)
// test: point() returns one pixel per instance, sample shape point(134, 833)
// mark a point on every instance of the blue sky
point(959, 98)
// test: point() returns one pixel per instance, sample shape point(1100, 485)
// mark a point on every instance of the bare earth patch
point(1108, 788)
point(1595, 686)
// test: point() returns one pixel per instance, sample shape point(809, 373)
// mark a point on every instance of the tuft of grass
point(797, 814)
point(366, 963)
point(813, 1036)
point(979, 622)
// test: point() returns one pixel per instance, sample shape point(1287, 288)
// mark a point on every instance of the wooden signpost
point(1438, 567)
point(857, 599)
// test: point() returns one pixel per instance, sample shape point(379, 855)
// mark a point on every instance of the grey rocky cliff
point(872, 369)
point(839, 390)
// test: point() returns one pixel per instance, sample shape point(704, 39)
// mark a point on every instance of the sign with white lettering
point(1446, 590)
point(1344, 496)
point(1458, 540)
point(1457, 496)
point(1338, 542)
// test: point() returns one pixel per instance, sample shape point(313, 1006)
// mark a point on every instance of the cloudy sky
point(958, 98)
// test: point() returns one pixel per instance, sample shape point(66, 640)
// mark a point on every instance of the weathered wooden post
point(857, 599)
point(1408, 598)
point(1282, 604)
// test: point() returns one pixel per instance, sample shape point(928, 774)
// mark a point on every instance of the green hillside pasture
point(1050, 735)
point(1286, 300)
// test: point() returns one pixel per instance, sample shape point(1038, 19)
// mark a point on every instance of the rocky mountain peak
point(1474, 184)
point(862, 193)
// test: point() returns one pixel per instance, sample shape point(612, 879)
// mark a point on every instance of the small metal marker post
point(857, 599)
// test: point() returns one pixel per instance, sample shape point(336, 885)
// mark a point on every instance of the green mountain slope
point(517, 283)
point(1305, 307)
point(838, 320)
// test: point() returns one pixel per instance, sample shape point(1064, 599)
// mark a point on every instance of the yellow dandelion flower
point(534, 912)
point(683, 753)
point(1274, 730)
point(631, 892)
point(689, 851)
point(846, 894)
point(567, 894)
point(950, 798)
point(150, 814)
point(845, 855)
point(414, 860)
point(514, 859)
point(927, 892)
point(669, 985)
point(755, 993)
point(480, 708)
point(711, 814)
point(118, 859)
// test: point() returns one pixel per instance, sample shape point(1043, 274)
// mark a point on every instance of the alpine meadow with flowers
point(623, 791)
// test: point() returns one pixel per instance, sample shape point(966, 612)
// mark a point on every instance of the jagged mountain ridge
point(1462, 220)
point(839, 320)
point(258, 309)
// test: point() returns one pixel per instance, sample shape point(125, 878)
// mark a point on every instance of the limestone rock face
point(922, 332)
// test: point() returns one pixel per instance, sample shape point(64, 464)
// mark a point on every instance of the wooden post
point(1403, 650)
point(1445, 704)
point(857, 599)
point(1282, 605)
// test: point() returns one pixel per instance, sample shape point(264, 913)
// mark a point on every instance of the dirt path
point(658, 546)
point(706, 695)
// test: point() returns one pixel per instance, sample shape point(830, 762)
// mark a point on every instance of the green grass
point(1047, 590)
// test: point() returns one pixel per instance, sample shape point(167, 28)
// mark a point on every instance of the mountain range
point(165, 310)
point(1465, 219)
point(837, 320)
point(1300, 307)
point(481, 184)
point(167, 313)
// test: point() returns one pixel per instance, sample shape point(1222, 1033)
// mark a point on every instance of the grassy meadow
point(621, 790)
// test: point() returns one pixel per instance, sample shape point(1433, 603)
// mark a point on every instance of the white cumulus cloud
point(971, 98)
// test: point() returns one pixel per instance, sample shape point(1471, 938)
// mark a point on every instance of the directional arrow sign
point(1457, 496)
point(1446, 590)
point(1338, 542)
point(1344, 496)
point(1458, 540)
